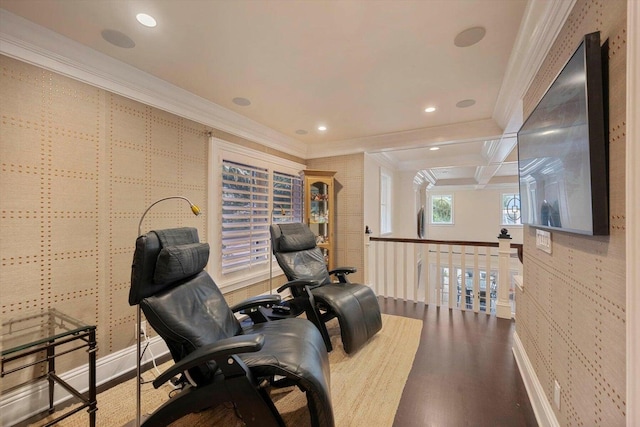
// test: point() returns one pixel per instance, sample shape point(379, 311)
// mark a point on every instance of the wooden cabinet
point(319, 208)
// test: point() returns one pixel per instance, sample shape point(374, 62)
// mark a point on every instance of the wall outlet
point(143, 328)
point(556, 394)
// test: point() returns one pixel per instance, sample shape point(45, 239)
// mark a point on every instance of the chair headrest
point(292, 237)
point(163, 258)
point(179, 262)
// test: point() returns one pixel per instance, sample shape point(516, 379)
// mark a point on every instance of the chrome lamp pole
point(196, 211)
point(282, 212)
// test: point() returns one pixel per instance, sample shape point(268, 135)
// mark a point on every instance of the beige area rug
point(365, 387)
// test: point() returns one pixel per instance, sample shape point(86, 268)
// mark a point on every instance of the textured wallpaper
point(349, 232)
point(571, 316)
point(79, 166)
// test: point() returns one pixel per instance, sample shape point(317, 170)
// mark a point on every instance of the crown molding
point(418, 138)
point(26, 41)
point(384, 160)
point(31, 43)
point(539, 28)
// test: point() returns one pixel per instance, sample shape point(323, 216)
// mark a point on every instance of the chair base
point(253, 404)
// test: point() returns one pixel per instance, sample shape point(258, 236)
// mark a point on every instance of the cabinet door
point(319, 195)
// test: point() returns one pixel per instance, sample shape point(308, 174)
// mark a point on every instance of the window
point(245, 216)
point(253, 198)
point(442, 209)
point(510, 207)
point(249, 190)
point(287, 198)
point(385, 203)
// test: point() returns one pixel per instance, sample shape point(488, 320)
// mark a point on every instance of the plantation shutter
point(287, 198)
point(245, 216)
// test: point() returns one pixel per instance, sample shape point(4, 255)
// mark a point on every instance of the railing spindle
point(421, 273)
point(463, 278)
point(487, 269)
point(451, 276)
point(408, 266)
point(385, 260)
point(476, 283)
point(438, 284)
point(429, 287)
point(378, 266)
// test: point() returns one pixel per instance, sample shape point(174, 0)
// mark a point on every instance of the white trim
point(256, 156)
point(540, 25)
point(632, 215)
point(419, 138)
point(387, 228)
point(519, 281)
point(31, 43)
point(220, 150)
point(24, 40)
point(539, 402)
point(441, 194)
point(25, 402)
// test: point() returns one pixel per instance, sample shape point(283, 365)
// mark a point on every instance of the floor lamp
point(282, 212)
point(196, 211)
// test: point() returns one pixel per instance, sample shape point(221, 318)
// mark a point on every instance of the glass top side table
point(39, 337)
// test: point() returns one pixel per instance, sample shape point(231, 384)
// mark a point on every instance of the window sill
point(237, 282)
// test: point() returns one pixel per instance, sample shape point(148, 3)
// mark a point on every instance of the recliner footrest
point(357, 309)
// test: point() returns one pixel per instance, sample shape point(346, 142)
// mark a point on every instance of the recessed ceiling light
point(434, 148)
point(322, 128)
point(430, 109)
point(466, 103)
point(146, 20)
point(301, 132)
point(470, 36)
point(117, 38)
point(243, 102)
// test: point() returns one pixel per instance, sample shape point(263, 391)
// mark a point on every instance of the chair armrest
point(342, 272)
point(257, 301)
point(219, 350)
point(299, 284)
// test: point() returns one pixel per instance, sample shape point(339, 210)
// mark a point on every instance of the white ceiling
point(365, 69)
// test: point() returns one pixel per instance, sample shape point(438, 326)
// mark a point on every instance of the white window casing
point(249, 190)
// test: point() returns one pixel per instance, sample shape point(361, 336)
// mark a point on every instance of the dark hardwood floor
point(464, 372)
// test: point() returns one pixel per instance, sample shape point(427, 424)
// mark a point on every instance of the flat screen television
point(562, 149)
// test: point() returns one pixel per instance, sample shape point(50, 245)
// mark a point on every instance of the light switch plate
point(543, 241)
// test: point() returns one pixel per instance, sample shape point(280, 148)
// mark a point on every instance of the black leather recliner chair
point(224, 361)
point(355, 305)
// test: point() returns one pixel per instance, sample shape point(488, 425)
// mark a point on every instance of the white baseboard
point(541, 406)
point(25, 402)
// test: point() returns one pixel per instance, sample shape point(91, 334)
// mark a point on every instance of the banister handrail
point(517, 246)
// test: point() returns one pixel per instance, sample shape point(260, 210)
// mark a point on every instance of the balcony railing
point(477, 276)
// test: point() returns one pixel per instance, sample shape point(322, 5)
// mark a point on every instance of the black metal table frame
point(85, 333)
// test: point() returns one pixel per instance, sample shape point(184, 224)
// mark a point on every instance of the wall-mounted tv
point(562, 149)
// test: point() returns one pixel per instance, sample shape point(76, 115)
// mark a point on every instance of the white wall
point(477, 213)
point(371, 214)
point(372, 167)
point(476, 216)
point(405, 223)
